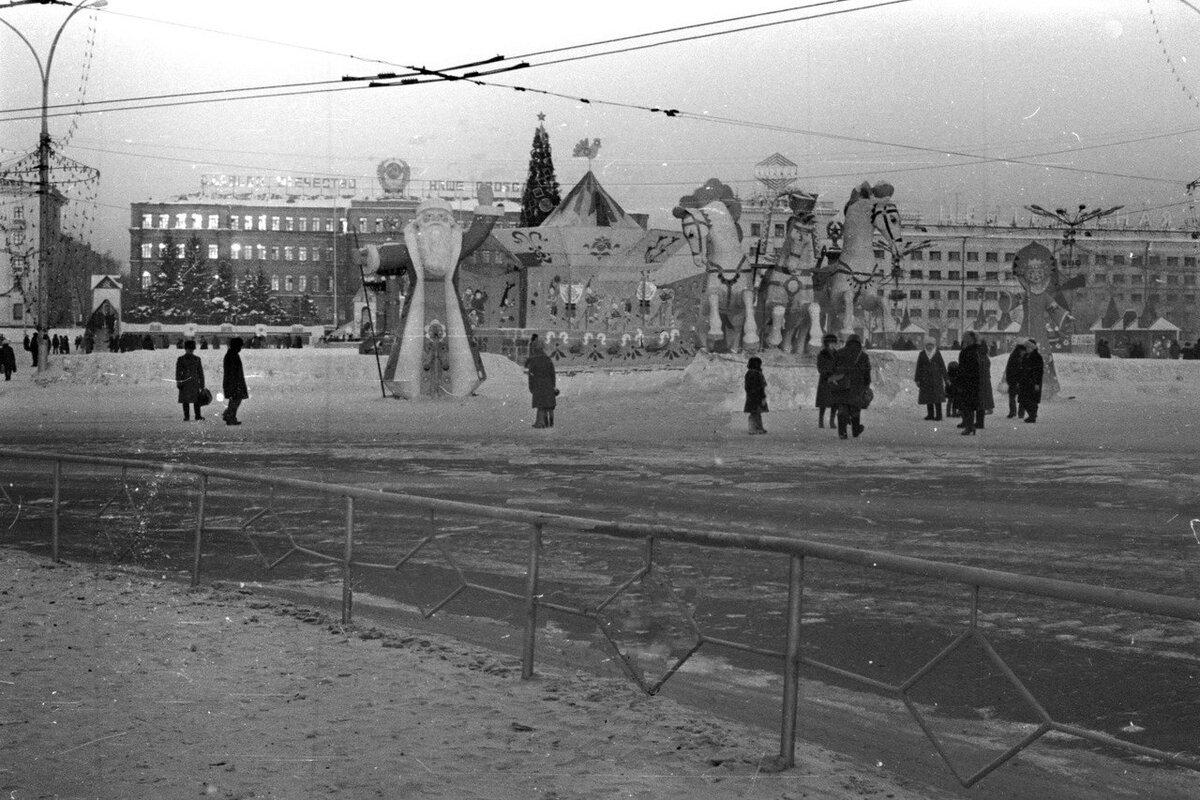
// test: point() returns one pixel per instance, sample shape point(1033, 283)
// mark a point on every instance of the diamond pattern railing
point(649, 625)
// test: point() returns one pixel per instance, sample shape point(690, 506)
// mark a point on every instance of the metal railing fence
point(690, 638)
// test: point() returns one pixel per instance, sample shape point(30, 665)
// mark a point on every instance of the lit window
point(181, 220)
point(303, 223)
point(260, 251)
point(212, 251)
point(289, 223)
point(274, 283)
point(274, 223)
point(147, 220)
point(235, 252)
point(196, 220)
point(147, 250)
point(303, 283)
point(262, 222)
point(146, 278)
point(275, 253)
point(378, 225)
point(329, 254)
point(287, 283)
point(180, 250)
point(18, 312)
point(164, 220)
point(288, 253)
point(303, 253)
point(162, 249)
point(316, 254)
point(214, 221)
point(234, 222)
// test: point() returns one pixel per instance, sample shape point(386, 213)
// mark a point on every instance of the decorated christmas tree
point(541, 187)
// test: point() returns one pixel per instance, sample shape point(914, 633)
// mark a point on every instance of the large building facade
point(302, 232)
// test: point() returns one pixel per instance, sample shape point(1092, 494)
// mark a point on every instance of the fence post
point(531, 604)
point(791, 666)
point(199, 529)
point(54, 512)
point(347, 595)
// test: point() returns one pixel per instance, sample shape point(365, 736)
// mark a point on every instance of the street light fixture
point(1072, 221)
point(45, 238)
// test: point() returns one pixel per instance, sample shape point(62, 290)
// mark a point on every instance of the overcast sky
point(913, 92)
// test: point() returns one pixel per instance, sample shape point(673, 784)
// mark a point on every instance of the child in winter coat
point(756, 394)
point(952, 390)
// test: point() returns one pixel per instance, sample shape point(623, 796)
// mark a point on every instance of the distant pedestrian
point(825, 357)
point(189, 380)
point(1174, 349)
point(850, 380)
point(543, 389)
point(755, 384)
point(987, 400)
point(952, 410)
point(1012, 379)
point(930, 377)
point(8, 359)
point(233, 382)
point(1032, 370)
point(1102, 349)
point(64, 344)
point(966, 389)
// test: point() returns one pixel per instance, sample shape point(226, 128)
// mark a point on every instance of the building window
point(777, 231)
point(1118, 279)
point(935, 255)
point(181, 220)
point(261, 251)
point(952, 313)
point(303, 253)
point(1189, 261)
point(329, 254)
point(1008, 257)
point(212, 252)
point(1135, 277)
point(953, 255)
point(289, 223)
point(288, 253)
point(972, 275)
point(1100, 259)
point(197, 220)
point(18, 312)
point(972, 256)
point(914, 313)
point(234, 222)
point(303, 224)
point(362, 224)
point(935, 274)
point(275, 253)
point(329, 284)
point(1118, 261)
point(147, 220)
point(147, 250)
point(991, 276)
point(164, 220)
point(287, 283)
point(329, 225)
point(991, 258)
point(953, 275)
point(162, 249)
point(302, 283)
point(274, 223)
point(952, 294)
point(917, 255)
point(1135, 261)
point(1189, 280)
point(916, 274)
point(1136, 297)
point(214, 220)
point(274, 283)
point(1172, 261)
point(990, 295)
point(235, 251)
point(914, 294)
point(316, 251)
point(935, 294)
point(180, 250)
point(755, 229)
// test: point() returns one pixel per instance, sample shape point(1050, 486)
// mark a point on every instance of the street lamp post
point(45, 232)
point(1071, 222)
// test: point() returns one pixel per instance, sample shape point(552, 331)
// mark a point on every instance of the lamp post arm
point(36, 57)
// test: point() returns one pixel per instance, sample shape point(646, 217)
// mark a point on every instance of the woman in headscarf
point(854, 368)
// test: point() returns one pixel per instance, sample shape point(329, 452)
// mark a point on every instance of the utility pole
point(48, 197)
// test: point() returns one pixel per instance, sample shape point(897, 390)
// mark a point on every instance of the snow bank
point(791, 383)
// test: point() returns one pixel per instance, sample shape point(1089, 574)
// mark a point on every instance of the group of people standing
point(843, 387)
point(965, 385)
point(193, 394)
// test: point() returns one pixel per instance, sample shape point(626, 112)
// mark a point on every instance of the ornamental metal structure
point(643, 600)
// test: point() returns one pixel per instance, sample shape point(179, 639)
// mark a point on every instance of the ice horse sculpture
point(793, 315)
point(708, 218)
point(870, 210)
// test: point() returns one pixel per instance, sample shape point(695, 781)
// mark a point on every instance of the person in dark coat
point(987, 400)
point(850, 379)
point(189, 380)
point(755, 385)
point(952, 390)
point(966, 391)
point(930, 377)
point(1012, 378)
point(233, 381)
point(542, 379)
point(1102, 349)
point(825, 358)
point(1029, 391)
point(8, 359)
